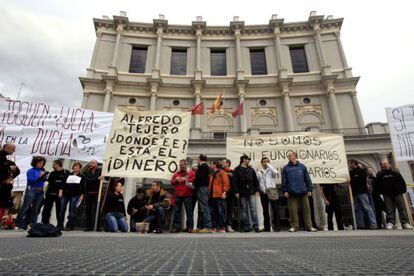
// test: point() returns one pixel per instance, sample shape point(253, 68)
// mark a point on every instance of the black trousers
point(91, 204)
point(334, 208)
point(47, 208)
point(312, 209)
point(274, 204)
point(230, 209)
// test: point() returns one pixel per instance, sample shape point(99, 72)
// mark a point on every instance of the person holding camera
point(33, 199)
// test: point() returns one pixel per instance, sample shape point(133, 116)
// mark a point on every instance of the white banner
point(146, 144)
point(323, 154)
point(54, 131)
point(401, 125)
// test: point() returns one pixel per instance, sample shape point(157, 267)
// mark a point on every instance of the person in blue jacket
point(34, 195)
point(297, 187)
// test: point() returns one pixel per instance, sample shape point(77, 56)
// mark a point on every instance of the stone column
point(334, 108)
point(278, 49)
point(153, 101)
point(197, 102)
point(357, 109)
point(85, 99)
point(347, 70)
point(238, 50)
point(198, 60)
point(319, 46)
point(96, 49)
point(119, 30)
point(243, 123)
point(287, 108)
point(158, 50)
point(108, 95)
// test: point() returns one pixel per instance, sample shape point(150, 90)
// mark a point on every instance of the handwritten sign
point(401, 125)
point(323, 154)
point(146, 144)
point(54, 131)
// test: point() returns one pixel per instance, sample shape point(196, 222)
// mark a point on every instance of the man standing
point(332, 206)
point(226, 163)
point(297, 187)
point(392, 186)
point(54, 192)
point(269, 194)
point(91, 180)
point(247, 189)
point(358, 180)
point(202, 181)
point(183, 180)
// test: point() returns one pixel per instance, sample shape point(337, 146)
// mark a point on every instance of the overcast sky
point(48, 44)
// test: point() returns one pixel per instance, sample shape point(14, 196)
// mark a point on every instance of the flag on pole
point(216, 104)
point(238, 111)
point(198, 109)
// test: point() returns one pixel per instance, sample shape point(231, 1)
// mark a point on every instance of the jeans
point(33, 200)
point(72, 211)
point(115, 221)
point(293, 205)
point(218, 213)
point(188, 204)
point(362, 205)
point(392, 203)
point(91, 204)
point(274, 204)
point(202, 196)
point(248, 205)
point(156, 219)
point(50, 199)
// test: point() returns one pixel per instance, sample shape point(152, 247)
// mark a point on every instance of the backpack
point(40, 230)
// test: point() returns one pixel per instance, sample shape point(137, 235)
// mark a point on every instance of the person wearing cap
point(136, 209)
point(247, 189)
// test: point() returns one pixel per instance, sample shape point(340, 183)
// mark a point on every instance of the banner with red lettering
point(53, 130)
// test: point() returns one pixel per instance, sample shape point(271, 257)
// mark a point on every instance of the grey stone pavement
point(323, 253)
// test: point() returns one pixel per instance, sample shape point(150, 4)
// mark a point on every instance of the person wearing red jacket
point(219, 187)
point(183, 180)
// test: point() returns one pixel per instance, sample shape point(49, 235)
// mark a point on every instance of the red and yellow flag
point(216, 104)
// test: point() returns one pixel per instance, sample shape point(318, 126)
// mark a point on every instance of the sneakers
point(389, 226)
point(229, 229)
point(222, 230)
point(292, 229)
point(312, 229)
point(407, 226)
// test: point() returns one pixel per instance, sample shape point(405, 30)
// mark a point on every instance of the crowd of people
point(224, 196)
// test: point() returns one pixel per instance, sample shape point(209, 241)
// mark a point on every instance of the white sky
point(48, 44)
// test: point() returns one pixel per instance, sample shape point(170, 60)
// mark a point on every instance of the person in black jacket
point(247, 189)
point(54, 193)
point(392, 187)
point(136, 209)
point(90, 181)
point(231, 199)
point(201, 183)
point(332, 206)
point(158, 201)
point(114, 210)
point(358, 180)
point(8, 171)
point(72, 194)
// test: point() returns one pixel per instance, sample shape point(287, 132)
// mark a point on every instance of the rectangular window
point(138, 60)
point(298, 57)
point(219, 135)
point(178, 62)
point(218, 62)
point(258, 62)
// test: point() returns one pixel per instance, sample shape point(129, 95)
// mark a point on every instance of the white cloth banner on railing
point(323, 154)
point(54, 131)
point(146, 143)
point(401, 125)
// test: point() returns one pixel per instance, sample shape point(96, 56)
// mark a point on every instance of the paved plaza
point(302, 253)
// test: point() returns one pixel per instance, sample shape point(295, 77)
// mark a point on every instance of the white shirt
point(267, 178)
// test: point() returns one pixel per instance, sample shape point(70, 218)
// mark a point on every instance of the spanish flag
point(216, 104)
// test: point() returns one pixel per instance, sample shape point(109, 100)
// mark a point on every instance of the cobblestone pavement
point(323, 253)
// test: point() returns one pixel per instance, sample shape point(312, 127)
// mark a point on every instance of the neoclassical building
point(291, 76)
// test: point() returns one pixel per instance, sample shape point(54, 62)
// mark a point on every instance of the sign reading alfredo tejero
point(323, 154)
point(401, 125)
point(146, 144)
point(54, 131)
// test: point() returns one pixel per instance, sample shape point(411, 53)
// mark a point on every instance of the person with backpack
point(54, 192)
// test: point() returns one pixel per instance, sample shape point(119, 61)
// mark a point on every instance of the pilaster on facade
point(154, 85)
point(237, 27)
point(276, 24)
point(347, 69)
point(240, 86)
point(159, 26)
point(108, 91)
point(121, 22)
point(199, 27)
point(198, 90)
point(287, 107)
point(328, 82)
point(85, 99)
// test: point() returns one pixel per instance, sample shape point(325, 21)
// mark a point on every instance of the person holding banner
point(269, 194)
point(91, 181)
point(392, 186)
point(114, 210)
point(358, 181)
point(297, 187)
point(247, 189)
point(33, 199)
point(72, 194)
point(183, 180)
point(54, 192)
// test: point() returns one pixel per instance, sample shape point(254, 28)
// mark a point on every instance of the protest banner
point(323, 154)
point(401, 127)
point(54, 131)
point(146, 143)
